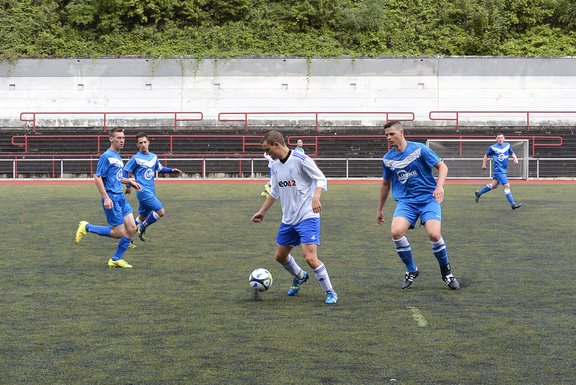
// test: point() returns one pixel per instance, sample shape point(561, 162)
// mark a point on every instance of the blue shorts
point(501, 178)
point(115, 216)
point(306, 232)
point(148, 204)
point(412, 211)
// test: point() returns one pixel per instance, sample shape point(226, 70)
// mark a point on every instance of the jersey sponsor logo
point(287, 183)
point(148, 174)
point(404, 175)
point(502, 157)
point(119, 175)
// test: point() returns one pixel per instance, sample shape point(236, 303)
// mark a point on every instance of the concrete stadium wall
point(212, 86)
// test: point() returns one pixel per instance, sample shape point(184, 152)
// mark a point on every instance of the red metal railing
point(245, 117)
point(534, 140)
point(246, 141)
point(317, 115)
point(229, 116)
point(253, 142)
point(455, 115)
point(31, 117)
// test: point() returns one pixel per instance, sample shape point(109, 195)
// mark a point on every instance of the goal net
point(464, 157)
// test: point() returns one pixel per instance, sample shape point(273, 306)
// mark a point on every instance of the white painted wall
point(212, 86)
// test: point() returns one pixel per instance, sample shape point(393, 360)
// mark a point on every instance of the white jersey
point(294, 182)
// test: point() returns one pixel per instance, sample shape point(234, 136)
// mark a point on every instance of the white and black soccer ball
point(260, 280)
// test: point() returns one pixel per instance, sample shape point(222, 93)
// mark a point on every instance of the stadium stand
point(343, 104)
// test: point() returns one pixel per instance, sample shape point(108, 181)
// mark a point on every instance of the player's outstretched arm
point(259, 216)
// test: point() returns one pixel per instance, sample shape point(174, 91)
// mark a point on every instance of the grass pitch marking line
point(418, 316)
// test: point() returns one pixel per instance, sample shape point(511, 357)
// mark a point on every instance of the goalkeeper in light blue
point(500, 152)
point(407, 171)
point(143, 166)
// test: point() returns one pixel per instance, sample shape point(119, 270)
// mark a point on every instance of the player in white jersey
point(500, 152)
point(298, 183)
point(407, 170)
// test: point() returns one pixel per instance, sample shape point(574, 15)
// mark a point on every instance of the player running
point(407, 169)
point(298, 183)
point(109, 179)
point(143, 166)
point(500, 153)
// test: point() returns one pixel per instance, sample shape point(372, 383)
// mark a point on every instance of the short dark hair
point(141, 134)
point(115, 130)
point(392, 123)
point(274, 136)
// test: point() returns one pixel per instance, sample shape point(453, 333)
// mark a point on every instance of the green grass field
point(186, 315)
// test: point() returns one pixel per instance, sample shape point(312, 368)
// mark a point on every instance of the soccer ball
point(260, 280)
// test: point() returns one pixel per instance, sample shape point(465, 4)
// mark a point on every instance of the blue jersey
point(411, 173)
point(500, 155)
point(144, 167)
point(110, 169)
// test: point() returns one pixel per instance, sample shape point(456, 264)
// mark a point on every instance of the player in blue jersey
point(109, 179)
point(298, 183)
point(500, 152)
point(143, 166)
point(407, 170)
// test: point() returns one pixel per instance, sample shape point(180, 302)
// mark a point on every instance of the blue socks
point(485, 189)
point(509, 196)
point(151, 218)
point(100, 230)
point(405, 252)
point(121, 249)
point(440, 252)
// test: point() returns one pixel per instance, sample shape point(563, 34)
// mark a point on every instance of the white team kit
point(295, 182)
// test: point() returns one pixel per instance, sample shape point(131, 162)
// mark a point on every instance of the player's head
point(394, 133)
point(143, 142)
point(299, 143)
point(274, 145)
point(500, 138)
point(116, 138)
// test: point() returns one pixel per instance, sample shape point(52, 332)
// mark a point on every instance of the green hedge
point(305, 28)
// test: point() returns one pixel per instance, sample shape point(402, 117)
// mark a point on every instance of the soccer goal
point(464, 157)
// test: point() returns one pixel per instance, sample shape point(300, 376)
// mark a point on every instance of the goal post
point(464, 157)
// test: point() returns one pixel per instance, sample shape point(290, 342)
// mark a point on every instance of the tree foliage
point(321, 28)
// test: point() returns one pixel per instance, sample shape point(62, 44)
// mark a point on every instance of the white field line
point(418, 316)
